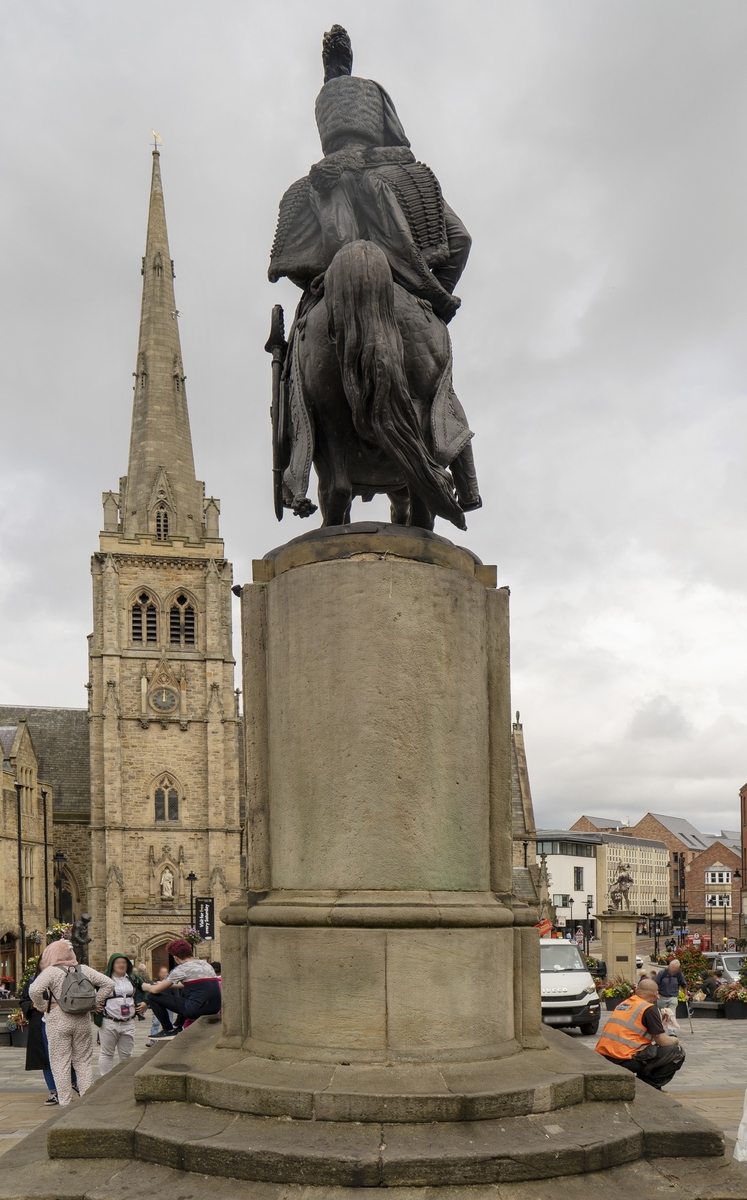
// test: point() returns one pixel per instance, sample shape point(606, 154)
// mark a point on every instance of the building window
point(28, 874)
point(718, 899)
point(578, 879)
point(561, 901)
point(182, 622)
point(162, 524)
point(144, 619)
point(167, 800)
point(718, 876)
point(573, 849)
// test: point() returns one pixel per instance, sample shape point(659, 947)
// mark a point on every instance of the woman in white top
point(68, 1034)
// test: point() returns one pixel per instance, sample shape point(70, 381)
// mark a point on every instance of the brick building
point(24, 861)
point(713, 892)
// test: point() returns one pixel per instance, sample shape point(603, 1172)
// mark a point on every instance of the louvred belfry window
point(162, 524)
point(144, 619)
point(182, 622)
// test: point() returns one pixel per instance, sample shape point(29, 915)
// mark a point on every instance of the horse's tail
point(359, 292)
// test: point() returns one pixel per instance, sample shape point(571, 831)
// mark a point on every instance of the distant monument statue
point(620, 891)
point(167, 885)
point(363, 387)
point(79, 937)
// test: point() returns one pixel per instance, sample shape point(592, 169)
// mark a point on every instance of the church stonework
point(164, 721)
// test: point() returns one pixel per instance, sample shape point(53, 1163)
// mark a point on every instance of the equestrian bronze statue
point(363, 387)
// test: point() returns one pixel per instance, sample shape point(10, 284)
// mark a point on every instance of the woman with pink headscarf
point(68, 1034)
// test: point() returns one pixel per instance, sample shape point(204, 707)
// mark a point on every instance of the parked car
point(569, 996)
point(729, 961)
point(638, 961)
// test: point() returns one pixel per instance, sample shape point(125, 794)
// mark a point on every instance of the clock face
point(163, 699)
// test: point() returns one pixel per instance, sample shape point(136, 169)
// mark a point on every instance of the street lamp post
point(59, 858)
point(191, 880)
point(44, 794)
point(738, 875)
point(570, 905)
point(589, 902)
point(656, 931)
point(22, 927)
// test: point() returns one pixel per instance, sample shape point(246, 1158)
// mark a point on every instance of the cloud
point(659, 717)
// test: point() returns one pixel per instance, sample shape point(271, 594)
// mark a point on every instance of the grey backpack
point(77, 994)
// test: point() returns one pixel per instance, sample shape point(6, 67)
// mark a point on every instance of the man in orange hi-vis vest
point(634, 1038)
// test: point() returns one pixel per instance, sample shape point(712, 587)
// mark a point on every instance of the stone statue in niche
point(363, 387)
point(167, 884)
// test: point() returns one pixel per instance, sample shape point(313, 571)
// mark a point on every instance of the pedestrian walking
point(116, 1024)
point(669, 981)
point(191, 990)
point(68, 1034)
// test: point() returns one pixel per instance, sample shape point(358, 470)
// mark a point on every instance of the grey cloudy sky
point(596, 152)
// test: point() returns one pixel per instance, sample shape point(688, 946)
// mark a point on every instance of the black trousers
point(195, 1000)
point(658, 1071)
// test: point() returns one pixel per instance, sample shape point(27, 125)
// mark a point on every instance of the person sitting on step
point(190, 990)
point(634, 1038)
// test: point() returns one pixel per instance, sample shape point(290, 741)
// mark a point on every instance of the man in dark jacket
point(669, 981)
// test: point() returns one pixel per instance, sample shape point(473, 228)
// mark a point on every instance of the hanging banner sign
point(544, 926)
point(205, 918)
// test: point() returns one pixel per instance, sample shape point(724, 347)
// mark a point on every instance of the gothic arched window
point(162, 523)
point(144, 619)
point(182, 622)
point(166, 798)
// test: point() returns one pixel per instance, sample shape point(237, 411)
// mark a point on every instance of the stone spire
point(161, 495)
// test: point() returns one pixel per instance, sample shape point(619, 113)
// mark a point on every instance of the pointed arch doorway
point(160, 957)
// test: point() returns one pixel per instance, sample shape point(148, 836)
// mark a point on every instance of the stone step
point(193, 1067)
point(586, 1137)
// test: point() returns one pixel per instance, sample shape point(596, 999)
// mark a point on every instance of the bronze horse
point(367, 364)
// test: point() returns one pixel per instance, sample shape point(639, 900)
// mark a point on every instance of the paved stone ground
point(22, 1093)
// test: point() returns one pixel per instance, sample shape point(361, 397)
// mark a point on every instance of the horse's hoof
point(471, 505)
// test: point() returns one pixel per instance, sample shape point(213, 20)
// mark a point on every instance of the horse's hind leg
point(420, 515)
point(335, 490)
point(399, 506)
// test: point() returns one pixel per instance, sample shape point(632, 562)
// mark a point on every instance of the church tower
point(162, 709)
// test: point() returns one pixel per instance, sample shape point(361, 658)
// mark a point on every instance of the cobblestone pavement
point(22, 1093)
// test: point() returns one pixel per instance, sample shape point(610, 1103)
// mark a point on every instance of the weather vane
point(156, 141)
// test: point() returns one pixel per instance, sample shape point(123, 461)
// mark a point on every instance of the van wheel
point(590, 1029)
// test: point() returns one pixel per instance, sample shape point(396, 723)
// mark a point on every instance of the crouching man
point(191, 990)
point(634, 1038)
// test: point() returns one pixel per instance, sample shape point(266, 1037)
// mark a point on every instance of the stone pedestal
point(380, 924)
point(618, 935)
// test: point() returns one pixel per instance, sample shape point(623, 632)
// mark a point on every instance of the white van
point(569, 996)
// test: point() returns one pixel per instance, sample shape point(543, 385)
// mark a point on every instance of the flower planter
point(682, 1009)
point(735, 1010)
point(20, 1037)
point(611, 1002)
